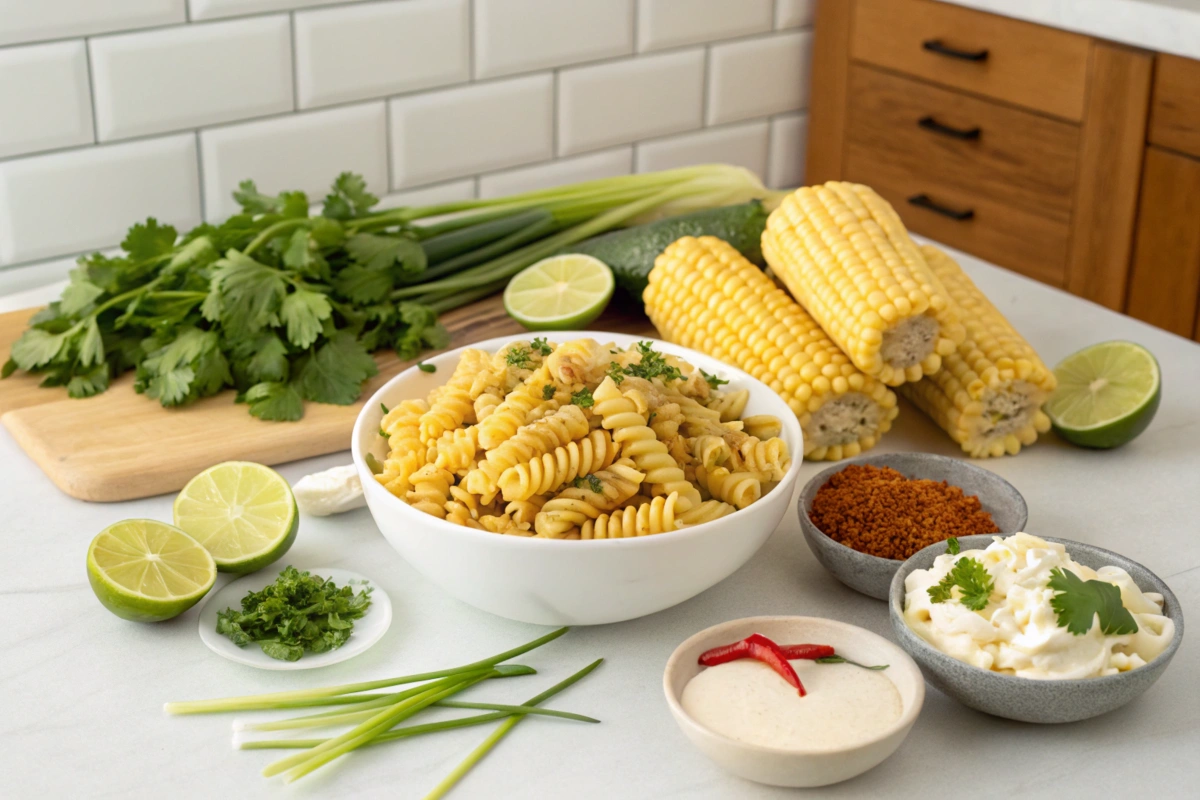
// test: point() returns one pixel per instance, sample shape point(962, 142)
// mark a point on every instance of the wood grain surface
point(1164, 284)
point(1175, 109)
point(120, 445)
point(827, 96)
point(1027, 65)
point(1018, 158)
point(1110, 171)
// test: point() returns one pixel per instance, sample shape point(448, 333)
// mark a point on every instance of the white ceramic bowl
point(556, 582)
point(791, 767)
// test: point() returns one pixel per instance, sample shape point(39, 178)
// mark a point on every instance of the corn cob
point(988, 395)
point(845, 256)
point(703, 294)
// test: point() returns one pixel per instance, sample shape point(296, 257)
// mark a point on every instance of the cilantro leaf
point(89, 383)
point(381, 252)
point(421, 331)
point(301, 254)
point(274, 401)
point(362, 285)
point(1078, 602)
point(189, 366)
point(248, 294)
point(518, 357)
point(593, 484)
point(263, 358)
point(349, 198)
point(952, 546)
point(541, 345)
point(286, 204)
point(616, 372)
point(713, 381)
point(583, 398)
point(37, 347)
point(79, 294)
point(334, 372)
point(149, 239)
point(548, 391)
point(91, 346)
point(652, 365)
point(972, 578)
point(302, 312)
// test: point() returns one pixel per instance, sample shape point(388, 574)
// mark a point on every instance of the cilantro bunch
point(278, 304)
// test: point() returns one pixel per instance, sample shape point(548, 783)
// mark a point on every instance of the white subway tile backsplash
point(215, 9)
point(44, 98)
point(377, 49)
point(671, 23)
point(789, 141)
point(522, 35)
point(301, 151)
point(605, 164)
point(794, 13)
point(448, 134)
point(34, 20)
point(758, 77)
point(80, 199)
point(194, 75)
point(434, 194)
point(743, 145)
point(623, 101)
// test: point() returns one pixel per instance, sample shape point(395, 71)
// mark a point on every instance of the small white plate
point(367, 630)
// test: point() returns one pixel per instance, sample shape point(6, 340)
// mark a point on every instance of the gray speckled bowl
point(872, 575)
point(1028, 699)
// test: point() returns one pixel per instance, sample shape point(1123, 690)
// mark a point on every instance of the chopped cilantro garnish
point(616, 372)
point(713, 381)
point(519, 357)
point(541, 345)
point(593, 483)
point(653, 365)
point(970, 576)
point(583, 398)
point(548, 391)
point(1079, 602)
point(952, 546)
point(385, 408)
point(383, 433)
point(426, 367)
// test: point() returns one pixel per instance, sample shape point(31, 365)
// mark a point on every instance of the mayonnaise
point(1017, 633)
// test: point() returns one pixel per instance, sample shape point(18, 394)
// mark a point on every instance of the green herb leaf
point(302, 312)
point(421, 365)
point(261, 359)
point(420, 330)
point(383, 252)
point(349, 198)
point(248, 294)
point(713, 381)
point(385, 408)
point(149, 239)
point(541, 345)
point(616, 372)
point(37, 348)
point(972, 578)
point(1078, 602)
point(89, 383)
point(79, 295)
point(274, 401)
point(840, 660)
point(548, 391)
point(652, 365)
point(373, 464)
point(519, 357)
point(952, 546)
point(591, 482)
point(334, 372)
point(583, 398)
point(91, 346)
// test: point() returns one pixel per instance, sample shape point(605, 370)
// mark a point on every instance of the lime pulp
point(559, 293)
point(1107, 394)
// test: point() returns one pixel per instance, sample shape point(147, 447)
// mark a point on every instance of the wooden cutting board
point(120, 445)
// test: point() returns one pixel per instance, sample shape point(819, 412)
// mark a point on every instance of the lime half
point(561, 293)
point(243, 513)
point(148, 571)
point(1107, 394)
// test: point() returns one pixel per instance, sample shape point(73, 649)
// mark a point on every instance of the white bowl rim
point(907, 717)
point(787, 418)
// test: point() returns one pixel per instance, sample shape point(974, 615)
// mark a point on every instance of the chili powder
point(878, 511)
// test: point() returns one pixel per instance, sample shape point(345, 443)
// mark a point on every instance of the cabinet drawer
point(979, 148)
point(1013, 237)
point(1017, 62)
point(1175, 107)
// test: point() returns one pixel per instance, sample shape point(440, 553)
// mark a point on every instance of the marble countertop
point(1168, 26)
point(81, 691)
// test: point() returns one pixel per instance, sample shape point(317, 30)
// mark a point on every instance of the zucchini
point(630, 253)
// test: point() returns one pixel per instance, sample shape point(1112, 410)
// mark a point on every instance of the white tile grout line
point(554, 117)
point(200, 174)
point(387, 144)
point(295, 61)
point(471, 41)
point(87, 53)
point(637, 10)
point(706, 68)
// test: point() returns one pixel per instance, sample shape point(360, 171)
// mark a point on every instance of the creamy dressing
point(747, 701)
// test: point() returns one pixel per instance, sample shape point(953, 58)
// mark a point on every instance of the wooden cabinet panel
point(1017, 62)
point(1164, 286)
point(827, 97)
point(981, 148)
point(1029, 243)
point(1175, 110)
point(1110, 170)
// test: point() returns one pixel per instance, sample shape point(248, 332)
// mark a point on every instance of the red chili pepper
point(760, 648)
point(808, 652)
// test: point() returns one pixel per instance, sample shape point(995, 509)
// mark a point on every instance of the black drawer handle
point(936, 46)
point(931, 124)
point(923, 201)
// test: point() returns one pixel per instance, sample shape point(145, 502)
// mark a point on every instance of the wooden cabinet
point(1019, 143)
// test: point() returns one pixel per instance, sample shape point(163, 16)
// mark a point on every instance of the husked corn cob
point(989, 393)
point(703, 294)
point(844, 254)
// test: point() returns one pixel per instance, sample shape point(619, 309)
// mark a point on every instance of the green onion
point(482, 750)
point(275, 699)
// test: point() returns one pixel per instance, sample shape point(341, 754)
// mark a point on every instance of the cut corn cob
point(845, 256)
point(988, 395)
point(703, 294)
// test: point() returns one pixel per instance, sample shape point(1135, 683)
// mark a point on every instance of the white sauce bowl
point(558, 582)
point(796, 767)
